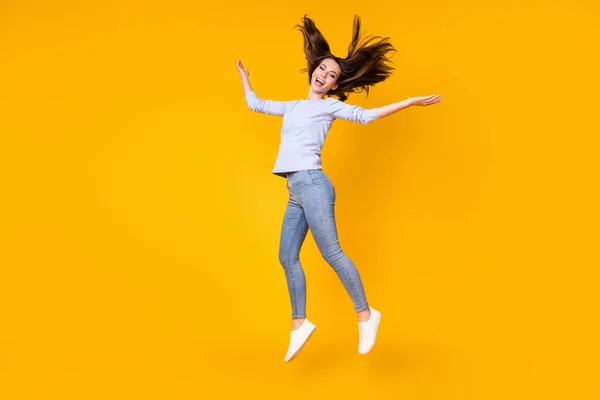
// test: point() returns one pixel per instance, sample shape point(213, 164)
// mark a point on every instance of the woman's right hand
point(243, 71)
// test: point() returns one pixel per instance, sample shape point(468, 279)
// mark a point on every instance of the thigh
point(293, 231)
point(319, 209)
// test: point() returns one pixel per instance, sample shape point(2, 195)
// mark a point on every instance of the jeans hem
point(359, 309)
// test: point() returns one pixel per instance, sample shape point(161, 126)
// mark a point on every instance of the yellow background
point(140, 219)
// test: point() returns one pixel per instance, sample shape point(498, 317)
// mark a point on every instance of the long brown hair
point(366, 64)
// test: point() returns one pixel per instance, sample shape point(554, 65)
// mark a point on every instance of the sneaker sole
point(303, 344)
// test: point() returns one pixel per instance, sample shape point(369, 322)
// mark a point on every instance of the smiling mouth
point(320, 81)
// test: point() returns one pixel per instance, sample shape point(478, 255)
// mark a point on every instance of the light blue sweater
point(305, 127)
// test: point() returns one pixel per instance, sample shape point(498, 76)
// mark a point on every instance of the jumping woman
point(311, 194)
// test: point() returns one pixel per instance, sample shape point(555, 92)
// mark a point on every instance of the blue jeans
point(311, 205)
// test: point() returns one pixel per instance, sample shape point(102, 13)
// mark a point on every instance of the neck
point(314, 96)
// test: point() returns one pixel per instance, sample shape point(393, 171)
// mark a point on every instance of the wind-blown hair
point(366, 64)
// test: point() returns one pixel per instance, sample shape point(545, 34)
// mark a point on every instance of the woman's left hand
point(425, 100)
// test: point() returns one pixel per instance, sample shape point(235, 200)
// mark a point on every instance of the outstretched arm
point(390, 109)
point(339, 109)
point(254, 103)
point(350, 112)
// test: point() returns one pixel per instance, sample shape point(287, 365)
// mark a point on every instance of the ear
point(334, 87)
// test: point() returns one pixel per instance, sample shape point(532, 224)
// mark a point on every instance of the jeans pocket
point(316, 176)
point(328, 183)
point(330, 186)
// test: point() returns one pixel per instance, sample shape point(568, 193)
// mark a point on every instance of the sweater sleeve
point(265, 106)
point(341, 110)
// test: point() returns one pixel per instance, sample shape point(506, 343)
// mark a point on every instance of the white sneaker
point(368, 332)
point(298, 339)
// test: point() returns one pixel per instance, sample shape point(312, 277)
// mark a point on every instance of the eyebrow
point(323, 64)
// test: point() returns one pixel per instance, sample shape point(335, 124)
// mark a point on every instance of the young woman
point(311, 193)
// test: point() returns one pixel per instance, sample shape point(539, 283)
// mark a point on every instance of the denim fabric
point(311, 206)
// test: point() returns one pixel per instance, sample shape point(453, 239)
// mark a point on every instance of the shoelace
point(362, 331)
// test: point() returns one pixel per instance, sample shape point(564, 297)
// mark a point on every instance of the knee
point(286, 259)
point(332, 257)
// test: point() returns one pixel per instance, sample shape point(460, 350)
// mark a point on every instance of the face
point(325, 76)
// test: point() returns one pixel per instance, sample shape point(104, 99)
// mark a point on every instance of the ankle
point(364, 315)
point(297, 323)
